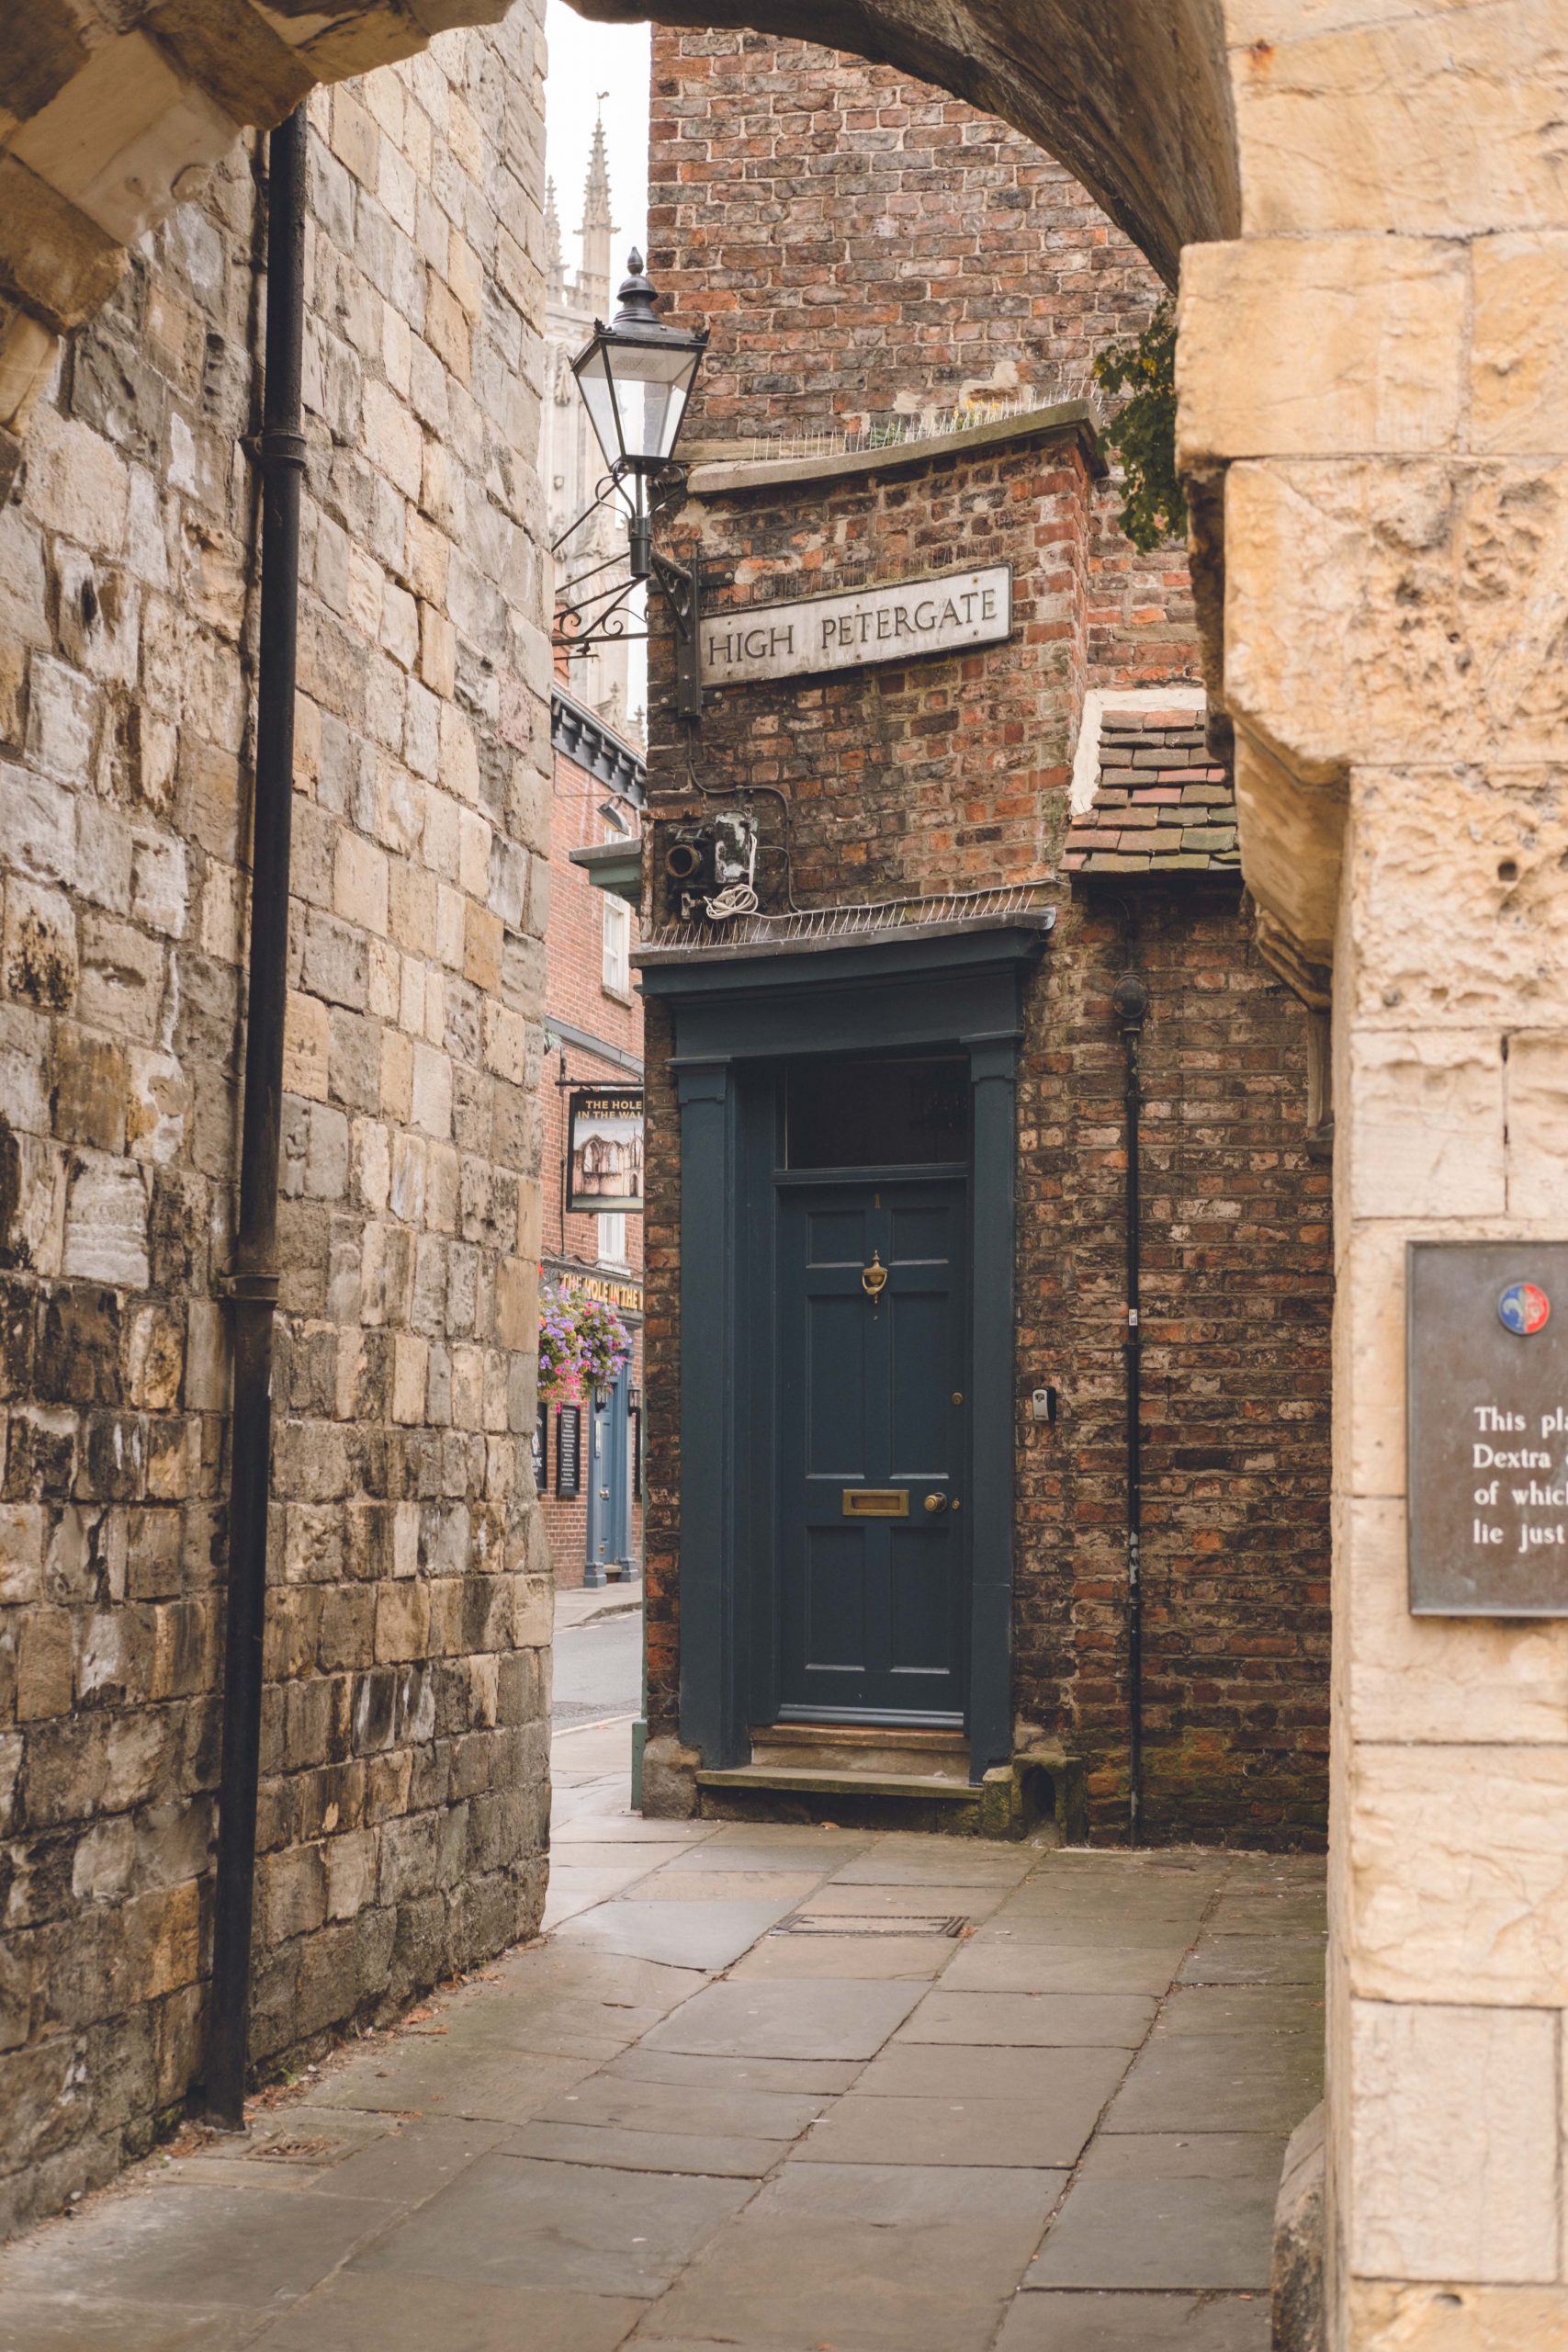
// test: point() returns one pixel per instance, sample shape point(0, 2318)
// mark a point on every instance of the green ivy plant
point(1142, 431)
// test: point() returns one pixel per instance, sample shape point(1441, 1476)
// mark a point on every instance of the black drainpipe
point(253, 1285)
point(1130, 1002)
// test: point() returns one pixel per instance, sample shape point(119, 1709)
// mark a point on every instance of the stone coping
point(713, 475)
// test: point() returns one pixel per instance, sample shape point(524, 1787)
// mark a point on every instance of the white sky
point(583, 60)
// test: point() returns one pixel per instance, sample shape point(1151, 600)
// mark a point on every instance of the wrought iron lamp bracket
point(601, 616)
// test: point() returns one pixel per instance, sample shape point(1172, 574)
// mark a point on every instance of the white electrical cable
point(736, 898)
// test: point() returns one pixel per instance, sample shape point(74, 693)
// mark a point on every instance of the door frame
point(957, 987)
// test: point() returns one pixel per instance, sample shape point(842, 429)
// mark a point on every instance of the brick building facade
point(588, 1459)
point(404, 1791)
point(865, 251)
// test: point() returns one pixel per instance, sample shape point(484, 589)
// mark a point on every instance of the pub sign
point(1487, 1351)
point(604, 1149)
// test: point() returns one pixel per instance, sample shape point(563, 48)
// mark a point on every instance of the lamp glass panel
point(653, 384)
point(593, 382)
point(636, 395)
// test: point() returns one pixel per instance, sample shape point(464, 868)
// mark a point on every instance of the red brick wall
point(862, 246)
point(951, 772)
point(575, 992)
point(1236, 1291)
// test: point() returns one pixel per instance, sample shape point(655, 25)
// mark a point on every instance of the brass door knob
point(935, 1503)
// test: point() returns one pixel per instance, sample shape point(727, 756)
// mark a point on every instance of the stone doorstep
point(814, 1781)
point(846, 1764)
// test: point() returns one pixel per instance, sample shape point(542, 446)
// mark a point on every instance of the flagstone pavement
point(763, 2090)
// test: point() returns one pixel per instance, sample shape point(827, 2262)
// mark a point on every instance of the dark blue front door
point(872, 1427)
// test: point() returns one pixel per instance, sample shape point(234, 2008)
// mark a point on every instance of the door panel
point(836, 1387)
point(874, 1610)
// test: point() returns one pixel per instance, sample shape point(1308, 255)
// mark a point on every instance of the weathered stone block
point(1433, 1679)
point(1423, 2081)
point(1382, 368)
point(1424, 1122)
point(1471, 152)
point(1458, 1882)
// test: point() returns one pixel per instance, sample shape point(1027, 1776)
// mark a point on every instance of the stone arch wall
point(112, 115)
point(1374, 428)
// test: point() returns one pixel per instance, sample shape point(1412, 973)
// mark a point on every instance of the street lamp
point(636, 376)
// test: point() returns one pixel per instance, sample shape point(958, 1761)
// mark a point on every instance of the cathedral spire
point(598, 231)
point(555, 267)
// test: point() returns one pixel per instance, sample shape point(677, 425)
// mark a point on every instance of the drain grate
point(846, 1923)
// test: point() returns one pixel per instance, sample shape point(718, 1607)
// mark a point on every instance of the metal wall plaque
point(857, 626)
point(877, 1502)
point(1488, 1356)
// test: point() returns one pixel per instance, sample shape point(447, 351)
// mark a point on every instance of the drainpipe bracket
point(252, 1287)
point(275, 448)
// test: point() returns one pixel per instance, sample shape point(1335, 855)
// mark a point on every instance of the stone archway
point(1369, 205)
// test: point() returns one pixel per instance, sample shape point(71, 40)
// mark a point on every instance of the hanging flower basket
point(582, 1345)
point(602, 1343)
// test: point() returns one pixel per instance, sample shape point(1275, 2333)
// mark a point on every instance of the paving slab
point(1242, 2008)
point(1184, 2155)
point(1069, 2079)
point(90, 2322)
point(788, 1887)
point(558, 1968)
point(981, 1965)
point(930, 1899)
point(173, 2244)
point(598, 1747)
point(515, 2221)
point(1038, 2019)
point(1198, 2234)
point(623, 1857)
point(621, 1827)
point(946, 1861)
point(717, 1854)
point(800, 2077)
point(884, 1959)
point(413, 2159)
point(555, 2025)
point(1067, 1927)
point(722, 2156)
point(1065, 2321)
point(1220, 2082)
point(430, 2079)
point(1276, 1869)
point(633, 2106)
point(377, 2311)
point(1255, 1960)
point(573, 1892)
point(868, 2258)
point(1265, 1911)
point(684, 1935)
point(1014, 2133)
point(830, 2019)
point(295, 2148)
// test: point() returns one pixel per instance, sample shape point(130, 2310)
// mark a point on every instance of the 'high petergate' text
point(897, 623)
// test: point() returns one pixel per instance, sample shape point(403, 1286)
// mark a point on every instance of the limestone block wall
point(405, 1796)
point(111, 111)
point(1396, 602)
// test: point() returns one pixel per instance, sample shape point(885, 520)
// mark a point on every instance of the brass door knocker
point(874, 1278)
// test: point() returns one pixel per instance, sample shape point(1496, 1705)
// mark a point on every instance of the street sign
point(860, 625)
point(1487, 1403)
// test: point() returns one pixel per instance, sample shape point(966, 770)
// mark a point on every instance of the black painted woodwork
point(872, 1395)
point(738, 1016)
